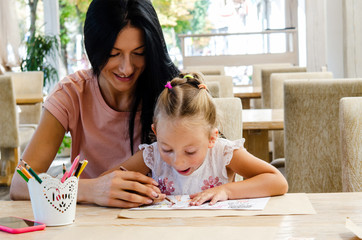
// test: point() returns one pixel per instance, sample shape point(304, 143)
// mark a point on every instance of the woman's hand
point(118, 188)
point(212, 194)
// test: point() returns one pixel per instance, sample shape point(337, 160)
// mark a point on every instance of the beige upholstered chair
point(28, 85)
point(229, 113)
point(12, 137)
point(256, 77)
point(226, 84)
point(214, 89)
point(265, 81)
point(207, 70)
point(277, 101)
point(311, 113)
point(230, 122)
point(350, 123)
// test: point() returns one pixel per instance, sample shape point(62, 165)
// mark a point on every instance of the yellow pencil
point(85, 162)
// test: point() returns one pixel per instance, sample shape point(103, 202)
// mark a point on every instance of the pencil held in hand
point(172, 202)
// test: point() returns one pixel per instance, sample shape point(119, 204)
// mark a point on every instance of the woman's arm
point(108, 190)
point(260, 180)
point(134, 163)
point(40, 152)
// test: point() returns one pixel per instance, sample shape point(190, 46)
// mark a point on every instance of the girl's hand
point(213, 195)
point(120, 189)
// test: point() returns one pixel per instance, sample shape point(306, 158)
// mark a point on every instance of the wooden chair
point(350, 124)
point(256, 77)
point(225, 82)
point(14, 137)
point(277, 102)
point(28, 85)
point(311, 116)
point(9, 138)
point(207, 70)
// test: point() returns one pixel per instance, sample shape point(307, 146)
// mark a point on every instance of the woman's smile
point(123, 78)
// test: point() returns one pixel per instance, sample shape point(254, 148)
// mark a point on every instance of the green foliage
point(39, 48)
point(198, 23)
point(66, 143)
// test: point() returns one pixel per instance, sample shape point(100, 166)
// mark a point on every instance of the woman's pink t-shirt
point(99, 133)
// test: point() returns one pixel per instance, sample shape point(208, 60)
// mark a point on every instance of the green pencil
point(22, 175)
point(33, 173)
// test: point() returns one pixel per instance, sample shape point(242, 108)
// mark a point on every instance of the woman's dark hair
point(104, 20)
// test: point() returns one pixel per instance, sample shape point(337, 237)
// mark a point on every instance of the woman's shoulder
point(79, 78)
point(74, 84)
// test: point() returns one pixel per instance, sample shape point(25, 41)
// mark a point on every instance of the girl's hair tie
point(188, 76)
point(202, 86)
point(168, 85)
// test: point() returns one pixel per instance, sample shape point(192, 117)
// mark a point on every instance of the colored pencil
point(32, 172)
point(85, 162)
point(22, 175)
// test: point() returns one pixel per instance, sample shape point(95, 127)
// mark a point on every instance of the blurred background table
point(256, 124)
point(245, 93)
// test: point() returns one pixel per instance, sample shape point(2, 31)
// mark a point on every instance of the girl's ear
point(213, 137)
point(153, 129)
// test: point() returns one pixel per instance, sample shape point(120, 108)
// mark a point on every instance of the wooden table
point(31, 100)
point(93, 222)
point(256, 124)
point(245, 93)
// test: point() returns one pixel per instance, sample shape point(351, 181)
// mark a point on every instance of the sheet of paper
point(183, 202)
point(293, 203)
point(354, 228)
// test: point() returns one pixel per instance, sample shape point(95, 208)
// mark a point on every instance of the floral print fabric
point(210, 174)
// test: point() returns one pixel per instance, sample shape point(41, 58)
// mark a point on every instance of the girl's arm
point(260, 180)
point(118, 189)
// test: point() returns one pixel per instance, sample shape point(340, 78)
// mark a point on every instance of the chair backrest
point(207, 70)
point(256, 77)
point(214, 89)
point(277, 101)
point(311, 113)
point(277, 84)
point(226, 84)
point(265, 81)
point(8, 116)
point(27, 84)
point(229, 113)
point(350, 123)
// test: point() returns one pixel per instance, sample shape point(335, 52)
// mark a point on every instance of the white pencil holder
point(53, 202)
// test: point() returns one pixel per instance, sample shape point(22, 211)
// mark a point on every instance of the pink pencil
point(74, 165)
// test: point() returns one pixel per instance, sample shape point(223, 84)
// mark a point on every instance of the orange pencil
point(25, 172)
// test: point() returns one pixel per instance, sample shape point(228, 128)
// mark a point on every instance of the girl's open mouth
point(184, 172)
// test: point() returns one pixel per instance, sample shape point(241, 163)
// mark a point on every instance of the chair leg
point(8, 162)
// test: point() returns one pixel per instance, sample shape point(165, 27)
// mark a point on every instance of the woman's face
point(126, 62)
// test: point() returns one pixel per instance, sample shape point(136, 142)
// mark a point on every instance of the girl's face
point(126, 62)
point(182, 147)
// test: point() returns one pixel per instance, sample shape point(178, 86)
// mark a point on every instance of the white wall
point(335, 38)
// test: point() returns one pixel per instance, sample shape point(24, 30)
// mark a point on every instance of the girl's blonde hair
point(186, 96)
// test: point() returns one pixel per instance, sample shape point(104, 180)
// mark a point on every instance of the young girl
point(189, 158)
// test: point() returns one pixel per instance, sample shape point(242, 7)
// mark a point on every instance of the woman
point(108, 109)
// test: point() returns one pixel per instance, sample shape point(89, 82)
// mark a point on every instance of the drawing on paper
point(183, 202)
